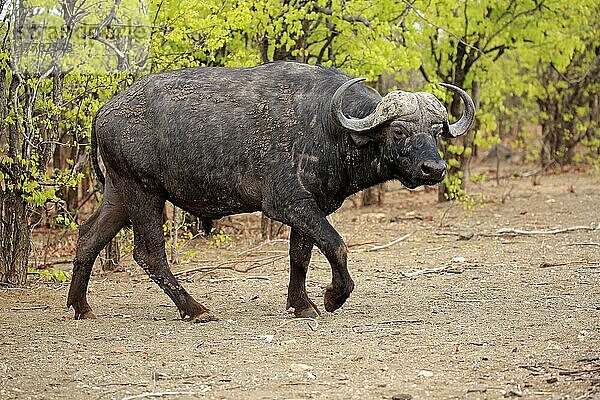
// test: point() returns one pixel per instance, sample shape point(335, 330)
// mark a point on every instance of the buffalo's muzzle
point(433, 169)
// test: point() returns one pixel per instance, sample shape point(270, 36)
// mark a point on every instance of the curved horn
point(353, 124)
point(461, 126)
point(395, 104)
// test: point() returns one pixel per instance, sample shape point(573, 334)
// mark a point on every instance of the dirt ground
point(432, 316)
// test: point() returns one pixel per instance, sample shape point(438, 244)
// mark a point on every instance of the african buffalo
point(288, 139)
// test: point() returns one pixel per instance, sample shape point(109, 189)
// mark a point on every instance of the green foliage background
point(528, 63)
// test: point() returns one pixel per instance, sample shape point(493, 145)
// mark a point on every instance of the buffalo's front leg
point(298, 301)
point(309, 221)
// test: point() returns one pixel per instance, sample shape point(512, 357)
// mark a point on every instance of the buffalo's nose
point(433, 169)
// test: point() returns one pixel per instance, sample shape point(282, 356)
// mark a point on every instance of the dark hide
point(222, 141)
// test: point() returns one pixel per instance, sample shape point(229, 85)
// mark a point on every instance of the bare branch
point(327, 43)
point(457, 37)
point(538, 6)
point(348, 18)
point(424, 73)
point(106, 22)
point(108, 44)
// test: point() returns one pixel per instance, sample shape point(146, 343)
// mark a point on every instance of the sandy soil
point(432, 317)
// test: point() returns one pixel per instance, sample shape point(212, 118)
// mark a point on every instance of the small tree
point(465, 39)
point(54, 74)
point(27, 142)
point(568, 94)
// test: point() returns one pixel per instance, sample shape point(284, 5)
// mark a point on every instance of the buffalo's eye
point(400, 131)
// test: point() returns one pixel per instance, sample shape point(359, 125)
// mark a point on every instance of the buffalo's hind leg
point(149, 253)
point(298, 300)
point(94, 235)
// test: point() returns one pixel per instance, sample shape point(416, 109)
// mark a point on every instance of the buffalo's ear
point(360, 138)
point(446, 130)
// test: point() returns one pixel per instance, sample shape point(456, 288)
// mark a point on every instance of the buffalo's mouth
point(413, 183)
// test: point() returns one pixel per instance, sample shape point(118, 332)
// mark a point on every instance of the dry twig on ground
point(44, 307)
point(161, 394)
point(524, 232)
point(424, 271)
point(512, 231)
point(233, 265)
point(384, 246)
point(561, 263)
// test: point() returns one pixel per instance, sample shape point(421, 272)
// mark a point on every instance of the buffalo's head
point(407, 125)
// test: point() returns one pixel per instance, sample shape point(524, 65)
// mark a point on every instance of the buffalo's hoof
point(204, 317)
point(336, 297)
point(196, 312)
point(309, 312)
point(85, 315)
point(302, 306)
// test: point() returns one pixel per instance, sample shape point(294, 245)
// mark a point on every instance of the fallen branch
point(209, 268)
point(468, 235)
point(161, 394)
point(361, 244)
point(589, 359)
point(534, 368)
point(242, 257)
point(243, 278)
point(234, 263)
point(579, 371)
point(260, 262)
point(561, 263)
point(516, 232)
point(122, 384)
point(512, 231)
point(385, 246)
point(268, 242)
point(49, 264)
point(410, 217)
point(44, 307)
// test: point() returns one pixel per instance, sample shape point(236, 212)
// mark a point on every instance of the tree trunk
point(443, 192)
point(374, 195)
point(469, 138)
point(15, 232)
point(267, 229)
point(15, 237)
point(112, 256)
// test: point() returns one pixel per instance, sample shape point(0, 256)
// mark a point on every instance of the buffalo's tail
point(94, 154)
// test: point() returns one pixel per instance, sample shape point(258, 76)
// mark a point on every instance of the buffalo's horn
point(461, 126)
point(353, 124)
point(394, 105)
